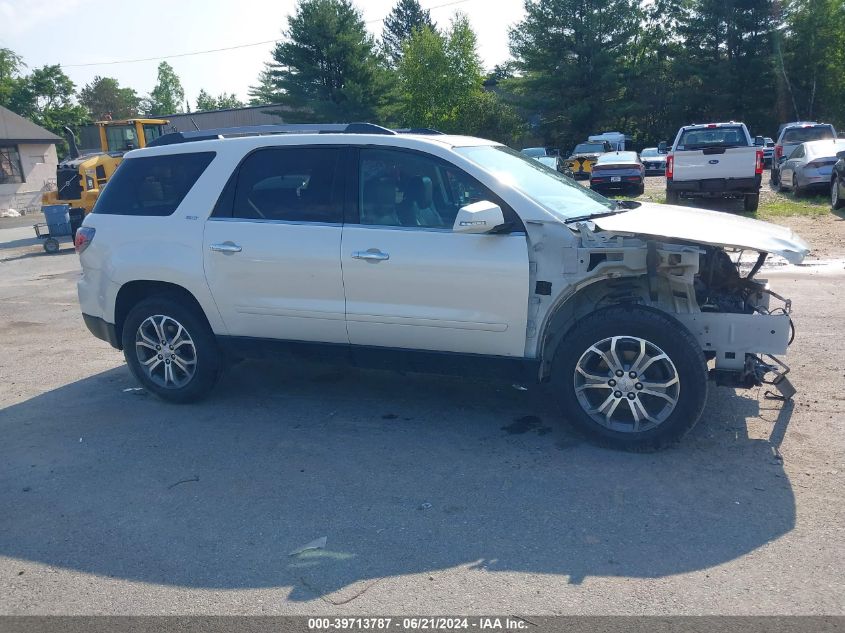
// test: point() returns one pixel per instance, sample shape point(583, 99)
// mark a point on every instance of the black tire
point(640, 190)
point(51, 245)
point(206, 354)
point(672, 197)
point(797, 191)
point(775, 178)
point(752, 202)
point(837, 201)
point(660, 331)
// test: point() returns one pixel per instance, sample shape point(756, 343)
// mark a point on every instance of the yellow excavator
point(80, 177)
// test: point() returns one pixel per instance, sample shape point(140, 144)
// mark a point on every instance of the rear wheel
point(775, 178)
point(836, 200)
point(170, 349)
point(631, 378)
point(797, 190)
point(752, 202)
point(672, 197)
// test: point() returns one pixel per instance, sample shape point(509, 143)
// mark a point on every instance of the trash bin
point(58, 219)
point(75, 217)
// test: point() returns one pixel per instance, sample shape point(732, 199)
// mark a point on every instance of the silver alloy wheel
point(166, 351)
point(627, 384)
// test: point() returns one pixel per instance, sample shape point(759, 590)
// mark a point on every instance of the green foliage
point(45, 96)
point(264, 92)
point(327, 68)
point(104, 98)
point(206, 102)
point(405, 17)
point(570, 55)
point(810, 56)
point(441, 79)
point(168, 95)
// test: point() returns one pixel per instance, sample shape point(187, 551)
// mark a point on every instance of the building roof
point(16, 129)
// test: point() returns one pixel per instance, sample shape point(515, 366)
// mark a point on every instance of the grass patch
point(783, 206)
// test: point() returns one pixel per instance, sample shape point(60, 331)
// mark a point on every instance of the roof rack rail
point(418, 130)
point(261, 130)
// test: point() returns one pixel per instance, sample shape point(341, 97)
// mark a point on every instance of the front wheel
point(752, 202)
point(170, 349)
point(631, 378)
point(836, 200)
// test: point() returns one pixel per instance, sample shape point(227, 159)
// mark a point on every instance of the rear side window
point(806, 134)
point(290, 184)
point(726, 136)
point(152, 185)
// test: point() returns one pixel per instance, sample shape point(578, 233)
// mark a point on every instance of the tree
point(168, 94)
point(569, 54)
point(104, 98)
point(11, 65)
point(405, 17)
point(811, 60)
point(327, 69)
point(205, 101)
point(264, 92)
point(440, 80)
point(727, 44)
point(225, 100)
point(437, 73)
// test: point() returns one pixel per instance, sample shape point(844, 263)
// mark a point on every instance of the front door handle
point(372, 255)
point(226, 247)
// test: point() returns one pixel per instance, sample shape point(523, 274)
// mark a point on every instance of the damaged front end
point(742, 324)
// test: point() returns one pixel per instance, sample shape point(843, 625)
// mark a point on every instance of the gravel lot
point(435, 495)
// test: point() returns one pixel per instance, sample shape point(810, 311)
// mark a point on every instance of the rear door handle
point(372, 255)
point(226, 247)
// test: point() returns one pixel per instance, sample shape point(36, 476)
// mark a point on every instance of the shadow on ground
point(402, 473)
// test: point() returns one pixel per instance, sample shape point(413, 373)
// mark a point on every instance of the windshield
point(586, 148)
point(650, 151)
point(804, 134)
point(121, 138)
point(726, 136)
point(558, 194)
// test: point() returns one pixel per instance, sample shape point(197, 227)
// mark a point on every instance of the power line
point(227, 48)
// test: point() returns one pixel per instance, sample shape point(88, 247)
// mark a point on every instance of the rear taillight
point(670, 166)
point(818, 164)
point(778, 151)
point(758, 167)
point(84, 236)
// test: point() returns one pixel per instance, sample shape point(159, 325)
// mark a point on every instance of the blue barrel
point(57, 218)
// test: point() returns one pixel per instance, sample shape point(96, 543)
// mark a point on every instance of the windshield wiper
point(604, 214)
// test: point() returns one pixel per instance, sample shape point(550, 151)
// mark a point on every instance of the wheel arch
point(586, 300)
point(133, 292)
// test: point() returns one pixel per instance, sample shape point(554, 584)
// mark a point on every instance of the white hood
point(707, 227)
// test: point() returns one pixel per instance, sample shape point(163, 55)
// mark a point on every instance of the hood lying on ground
point(716, 228)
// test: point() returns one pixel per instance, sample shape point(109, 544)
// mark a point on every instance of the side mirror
point(478, 217)
point(663, 147)
point(759, 141)
point(840, 155)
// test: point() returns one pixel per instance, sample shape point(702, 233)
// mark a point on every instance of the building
point(27, 161)
point(230, 117)
point(205, 120)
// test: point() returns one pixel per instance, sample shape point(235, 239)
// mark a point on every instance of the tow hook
point(779, 382)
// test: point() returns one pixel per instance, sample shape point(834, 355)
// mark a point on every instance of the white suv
point(426, 252)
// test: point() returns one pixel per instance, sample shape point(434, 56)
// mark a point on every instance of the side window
point(291, 184)
point(798, 153)
point(406, 189)
point(152, 185)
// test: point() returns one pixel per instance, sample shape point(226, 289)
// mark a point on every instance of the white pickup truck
point(715, 160)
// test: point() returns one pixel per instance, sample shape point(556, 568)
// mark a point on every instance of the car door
point(272, 246)
point(413, 283)
point(788, 169)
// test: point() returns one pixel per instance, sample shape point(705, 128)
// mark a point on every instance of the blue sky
point(86, 31)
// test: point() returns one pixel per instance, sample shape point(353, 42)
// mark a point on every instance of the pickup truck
point(715, 160)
